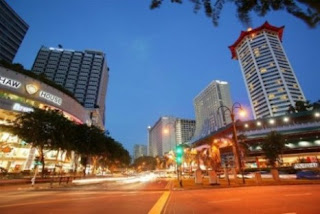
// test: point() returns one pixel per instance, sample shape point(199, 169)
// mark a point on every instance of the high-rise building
point(206, 105)
point(83, 73)
point(12, 31)
point(167, 133)
point(139, 151)
point(270, 80)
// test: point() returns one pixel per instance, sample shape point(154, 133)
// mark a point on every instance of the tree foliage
point(145, 163)
point(273, 146)
point(305, 10)
point(39, 128)
point(302, 106)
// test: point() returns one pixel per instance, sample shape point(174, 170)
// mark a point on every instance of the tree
point(302, 106)
point(243, 147)
point(43, 129)
point(273, 146)
point(316, 105)
point(145, 163)
point(305, 10)
point(291, 109)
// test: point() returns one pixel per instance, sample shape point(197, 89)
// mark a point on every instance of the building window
point(263, 70)
point(283, 97)
point(271, 96)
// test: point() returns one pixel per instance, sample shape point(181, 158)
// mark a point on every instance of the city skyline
point(149, 55)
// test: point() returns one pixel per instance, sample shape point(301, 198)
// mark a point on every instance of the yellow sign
point(31, 89)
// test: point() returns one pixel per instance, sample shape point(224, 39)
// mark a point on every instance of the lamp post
point(236, 105)
point(149, 142)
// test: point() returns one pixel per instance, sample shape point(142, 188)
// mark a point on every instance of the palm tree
point(243, 147)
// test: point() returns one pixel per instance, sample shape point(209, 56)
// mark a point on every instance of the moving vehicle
point(308, 174)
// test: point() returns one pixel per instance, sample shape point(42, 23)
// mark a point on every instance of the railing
point(281, 128)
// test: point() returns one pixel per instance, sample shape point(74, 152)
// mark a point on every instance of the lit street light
point(234, 131)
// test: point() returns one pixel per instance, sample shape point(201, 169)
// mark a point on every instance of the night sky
point(159, 59)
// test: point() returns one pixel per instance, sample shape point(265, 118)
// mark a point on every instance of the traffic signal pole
point(179, 156)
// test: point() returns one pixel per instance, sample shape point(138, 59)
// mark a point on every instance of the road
point(143, 197)
point(99, 198)
point(291, 199)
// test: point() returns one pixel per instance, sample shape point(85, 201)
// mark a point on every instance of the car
point(308, 174)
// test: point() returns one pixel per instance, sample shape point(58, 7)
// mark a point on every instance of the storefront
point(21, 93)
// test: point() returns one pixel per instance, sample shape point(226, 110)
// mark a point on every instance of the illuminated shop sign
point(305, 165)
point(9, 82)
point(31, 89)
point(50, 97)
point(19, 107)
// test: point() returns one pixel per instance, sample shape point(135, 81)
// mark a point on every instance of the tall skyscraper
point(207, 104)
point(169, 132)
point(12, 31)
point(271, 83)
point(83, 73)
point(139, 151)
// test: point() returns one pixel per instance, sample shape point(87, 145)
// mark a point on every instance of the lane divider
point(159, 205)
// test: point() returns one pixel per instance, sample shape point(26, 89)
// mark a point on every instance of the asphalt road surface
point(293, 199)
point(99, 198)
point(144, 198)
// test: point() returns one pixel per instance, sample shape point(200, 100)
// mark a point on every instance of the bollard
point(33, 180)
point(180, 182)
point(51, 182)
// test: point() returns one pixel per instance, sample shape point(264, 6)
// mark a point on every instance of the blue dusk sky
point(159, 59)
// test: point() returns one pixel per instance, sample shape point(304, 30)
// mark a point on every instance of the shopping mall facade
point(22, 93)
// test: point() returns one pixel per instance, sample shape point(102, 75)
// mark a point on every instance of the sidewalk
point(40, 183)
point(189, 183)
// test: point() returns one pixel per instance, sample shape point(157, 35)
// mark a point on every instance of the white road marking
point(298, 194)
point(227, 200)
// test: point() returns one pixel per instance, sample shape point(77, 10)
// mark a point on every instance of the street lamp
point(177, 149)
point(236, 105)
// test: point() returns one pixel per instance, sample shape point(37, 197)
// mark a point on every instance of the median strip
point(159, 205)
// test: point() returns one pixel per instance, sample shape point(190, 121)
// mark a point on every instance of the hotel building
point(270, 80)
point(207, 104)
point(139, 150)
point(167, 133)
point(84, 73)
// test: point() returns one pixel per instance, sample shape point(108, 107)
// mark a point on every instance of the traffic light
point(179, 154)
